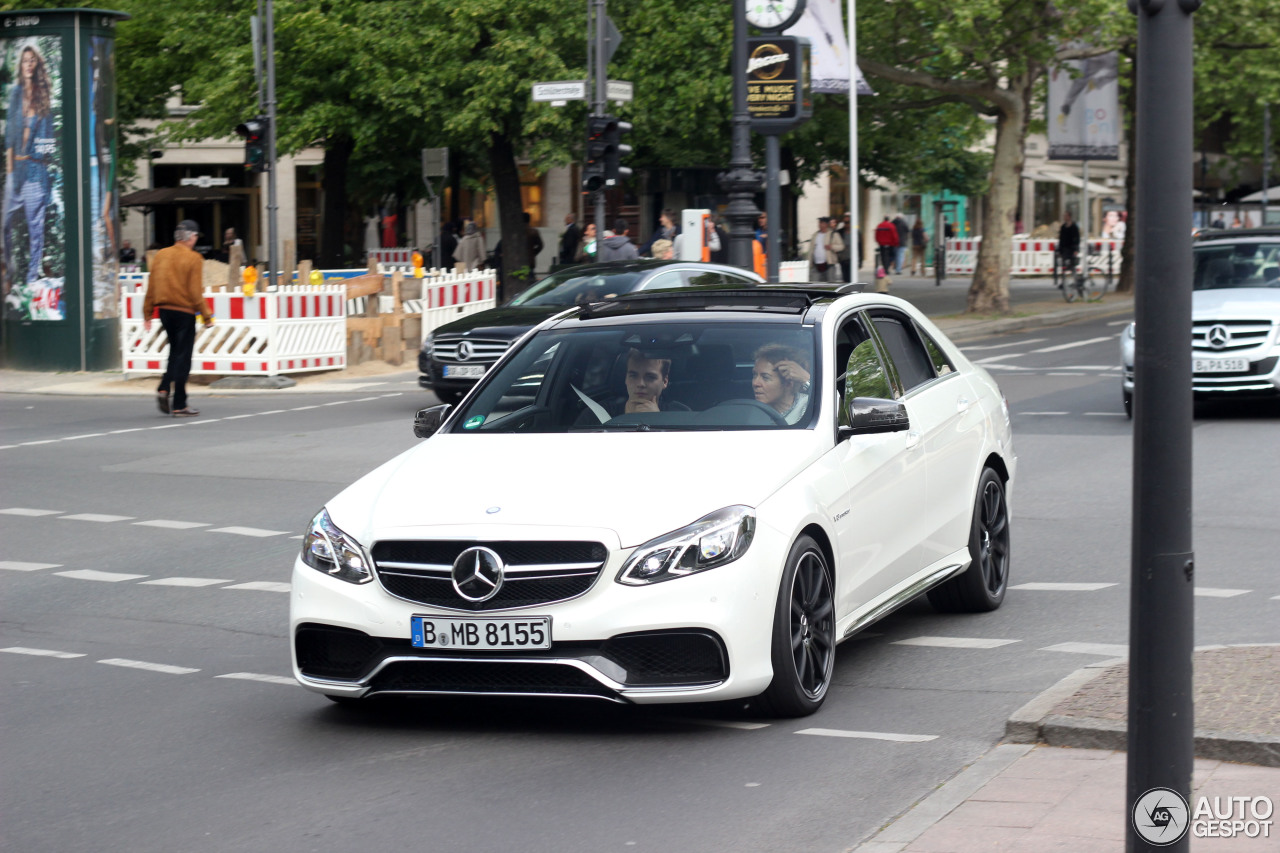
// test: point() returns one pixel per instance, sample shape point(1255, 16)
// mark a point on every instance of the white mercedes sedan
point(667, 497)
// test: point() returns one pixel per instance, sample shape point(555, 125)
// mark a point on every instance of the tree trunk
point(337, 154)
point(989, 292)
point(1127, 271)
point(516, 267)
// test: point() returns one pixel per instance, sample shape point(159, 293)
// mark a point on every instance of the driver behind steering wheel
point(780, 380)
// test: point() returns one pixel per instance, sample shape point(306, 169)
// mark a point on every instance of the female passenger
point(780, 380)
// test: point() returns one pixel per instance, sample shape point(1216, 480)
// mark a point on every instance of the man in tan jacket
point(176, 287)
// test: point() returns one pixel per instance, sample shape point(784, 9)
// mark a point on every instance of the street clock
point(773, 15)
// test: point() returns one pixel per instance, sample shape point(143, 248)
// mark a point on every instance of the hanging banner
point(823, 25)
point(1084, 110)
point(33, 272)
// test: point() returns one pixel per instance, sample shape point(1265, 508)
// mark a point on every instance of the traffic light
point(593, 170)
point(254, 132)
point(615, 150)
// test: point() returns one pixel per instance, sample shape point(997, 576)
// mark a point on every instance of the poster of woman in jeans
point(34, 264)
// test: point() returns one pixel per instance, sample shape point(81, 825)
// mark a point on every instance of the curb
point(966, 330)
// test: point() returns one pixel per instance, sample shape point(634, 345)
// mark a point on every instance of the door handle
point(913, 440)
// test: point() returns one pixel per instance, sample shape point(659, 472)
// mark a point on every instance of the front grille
point(669, 658)
point(327, 651)
point(1241, 335)
point(470, 676)
point(482, 352)
point(536, 572)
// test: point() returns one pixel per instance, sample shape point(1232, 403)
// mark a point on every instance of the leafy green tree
point(988, 55)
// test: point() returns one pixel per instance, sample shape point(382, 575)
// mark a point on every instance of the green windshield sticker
point(472, 423)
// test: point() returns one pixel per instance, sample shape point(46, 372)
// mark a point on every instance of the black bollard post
point(1161, 626)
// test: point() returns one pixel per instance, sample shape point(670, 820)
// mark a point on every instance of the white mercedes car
point(1235, 317)
point(668, 497)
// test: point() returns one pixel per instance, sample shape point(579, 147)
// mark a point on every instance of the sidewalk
point(1034, 304)
point(1058, 782)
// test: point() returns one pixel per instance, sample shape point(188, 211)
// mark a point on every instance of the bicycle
point(1087, 283)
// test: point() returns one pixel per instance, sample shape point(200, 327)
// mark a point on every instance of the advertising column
point(59, 205)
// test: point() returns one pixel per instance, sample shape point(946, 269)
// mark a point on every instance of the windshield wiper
point(611, 427)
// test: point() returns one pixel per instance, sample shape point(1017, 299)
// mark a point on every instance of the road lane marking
point(1042, 414)
point(42, 441)
point(45, 653)
point(1064, 374)
point(1119, 322)
point(264, 586)
point(86, 435)
point(257, 676)
point(1105, 415)
point(22, 510)
point(1075, 344)
point(171, 525)
point(1214, 592)
point(95, 575)
point(303, 408)
point(1104, 649)
point(1062, 587)
point(954, 642)
point(16, 566)
point(996, 359)
point(95, 516)
point(238, 417)
point(185, 582)
point(150, 667)
point(891, 736)
point(1005, 346)
point(248, 531)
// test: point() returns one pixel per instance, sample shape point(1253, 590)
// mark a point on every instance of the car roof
point(1216, 235)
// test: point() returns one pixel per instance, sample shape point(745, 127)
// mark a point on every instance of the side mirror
point(868, 415)
point(426, 422)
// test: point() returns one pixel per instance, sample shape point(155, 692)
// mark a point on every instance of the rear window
point(1236, 265)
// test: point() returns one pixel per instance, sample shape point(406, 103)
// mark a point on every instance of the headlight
point(333, 552)
point(713, 540)
point(427, 342)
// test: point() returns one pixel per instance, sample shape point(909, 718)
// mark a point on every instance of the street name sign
point(619, 90)
point(560, 91)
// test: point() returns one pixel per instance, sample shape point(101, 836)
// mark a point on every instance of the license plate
point(464, 371)
point(1220, 365)
point(442, 632)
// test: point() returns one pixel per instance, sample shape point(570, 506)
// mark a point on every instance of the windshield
point(568, 287)
point(1237, 265)
point(674, 376)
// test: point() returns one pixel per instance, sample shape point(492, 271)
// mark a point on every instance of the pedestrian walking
point(470, 252)
point(886, 246)
point(918, 239)
point(587, 245)
point(904, 239)
point(667, 229)
point(845, 255)
point(570, 239)
point(824, 249)
point(175, 286)
point(618, 247)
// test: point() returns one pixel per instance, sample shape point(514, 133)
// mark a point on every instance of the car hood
point(639, 485)
point(1236, 302)
point(506, 322)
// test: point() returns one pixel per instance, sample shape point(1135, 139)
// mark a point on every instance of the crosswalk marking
point(954, 642)
point(151, 667)
point(32, 513)
point(1214, 592)
point(16, 566)
point(98, 517)
point(185, 582)
point(1061, 587)
point(171, 525)
point(95, 575)
point(45, 653)
point(1104, 649)
point(891, 736)
point(1075, 344)
point(257, 676)
point(265, 586)
point(248, 531)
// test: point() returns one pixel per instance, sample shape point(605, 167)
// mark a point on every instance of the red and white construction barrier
point(1030, 257)
point(293, 329)
point(449, 295)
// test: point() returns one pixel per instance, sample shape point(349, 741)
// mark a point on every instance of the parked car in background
point(667, 497)
point(454, 356)
point(1235, 317)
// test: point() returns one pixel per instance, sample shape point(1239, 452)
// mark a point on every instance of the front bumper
point(698, 638)
point(1262, 379)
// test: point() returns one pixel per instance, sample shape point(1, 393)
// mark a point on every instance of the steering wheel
point(772, 413)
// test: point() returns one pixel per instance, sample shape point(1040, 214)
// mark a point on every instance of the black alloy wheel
point(804, 635)
point(981, 587)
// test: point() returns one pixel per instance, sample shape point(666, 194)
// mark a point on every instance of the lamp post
point(741, 182)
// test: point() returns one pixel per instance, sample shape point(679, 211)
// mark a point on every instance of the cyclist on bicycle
point(1068, 244)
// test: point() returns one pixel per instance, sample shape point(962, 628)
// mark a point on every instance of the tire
point(804, 635)
point(1095, 285)
point(1069, 291)
point(981, 587)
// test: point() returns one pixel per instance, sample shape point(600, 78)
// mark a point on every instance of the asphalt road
point(147, 705)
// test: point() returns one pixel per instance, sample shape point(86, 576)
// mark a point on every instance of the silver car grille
point(482, 352)
point(1219, 336)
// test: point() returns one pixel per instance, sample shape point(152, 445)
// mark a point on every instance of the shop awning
point(161, 196)
point(1055, 176)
